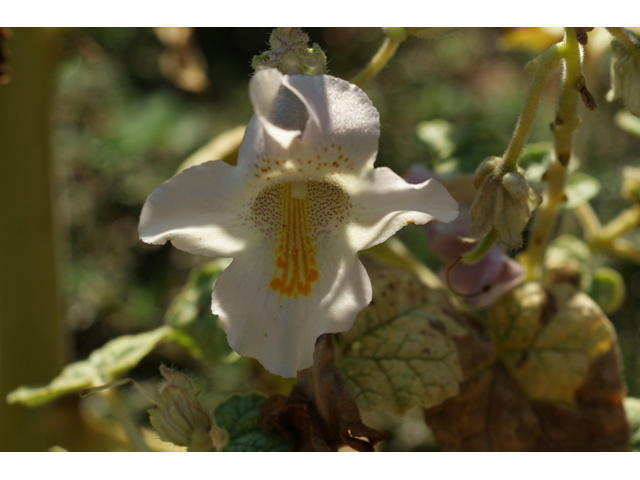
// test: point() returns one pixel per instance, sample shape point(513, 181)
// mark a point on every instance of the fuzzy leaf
point(401, 351)
point(103, 365)
point(197, 329)
point(239, 417)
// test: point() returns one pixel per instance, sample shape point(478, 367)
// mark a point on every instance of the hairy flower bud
point(504, 201)
point(625, 75)
point(178, 416)
point(290, 54)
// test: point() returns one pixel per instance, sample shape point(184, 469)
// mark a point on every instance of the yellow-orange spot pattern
point(295, 250)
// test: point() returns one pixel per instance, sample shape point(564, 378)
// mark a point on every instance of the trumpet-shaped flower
point(302, 200)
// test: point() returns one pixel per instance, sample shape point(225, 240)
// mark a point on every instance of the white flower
point(302, 201)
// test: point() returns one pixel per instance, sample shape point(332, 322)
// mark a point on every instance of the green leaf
point(401, 351)
point(197, 329)
point(580, 189)
point(239, 417)
point(632, 408)
point(103, 365)
point(437, 135)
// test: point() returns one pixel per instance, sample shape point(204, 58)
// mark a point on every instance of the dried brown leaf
point(554, 385)
point(319, 414)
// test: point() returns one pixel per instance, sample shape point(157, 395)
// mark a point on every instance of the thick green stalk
point(565, 123)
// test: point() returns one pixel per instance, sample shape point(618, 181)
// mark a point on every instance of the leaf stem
point(482, 248)
point(565, 123)
point(626, 220)
point(379, 60)
point(619, 247)
point(124, 418)
point(588, 219)
point(545, 65)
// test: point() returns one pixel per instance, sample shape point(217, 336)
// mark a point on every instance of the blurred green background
point(94, 119)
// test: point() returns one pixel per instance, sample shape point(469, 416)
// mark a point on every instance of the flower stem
point(588, 219)
point(619, 247)
point(624, 37)
point(626, 220)
point(546, 64)
point(482, 248)
point(379, 60)
point(124, 418)
point(565, 123)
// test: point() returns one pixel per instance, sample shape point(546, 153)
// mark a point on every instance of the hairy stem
point(379, 60)
point(563, 127)
point(546, 64)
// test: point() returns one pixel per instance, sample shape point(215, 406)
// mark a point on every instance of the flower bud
point(625, 75)
point(504, 201)
point(178, 416)
point(290, 54)
point(631, 184)
point(485, 169)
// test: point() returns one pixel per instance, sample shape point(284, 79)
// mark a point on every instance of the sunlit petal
point(198, 211)
point(389, 203)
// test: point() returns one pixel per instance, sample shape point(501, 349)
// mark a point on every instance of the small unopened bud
point(178, 416)
point(290, 54)
point(503, 201)
point(486, 168)
point(516, 185)
point(631, 184)
point(625, 75)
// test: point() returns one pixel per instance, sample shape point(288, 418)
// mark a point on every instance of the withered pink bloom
point(495, 272)
point(302, 201)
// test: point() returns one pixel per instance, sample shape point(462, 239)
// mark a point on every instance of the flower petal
point(265, 91)
point(343, 123)
point(197, 210)
point(389, 203)
point(280, 331)
point(314, 125)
